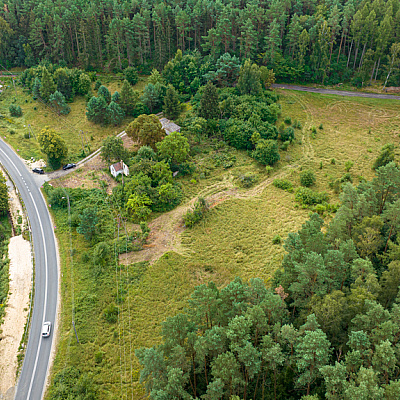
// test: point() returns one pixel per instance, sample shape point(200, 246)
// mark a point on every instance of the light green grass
point(234, 239)
point(38, 115)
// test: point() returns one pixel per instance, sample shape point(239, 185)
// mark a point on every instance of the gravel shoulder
point(20, 274)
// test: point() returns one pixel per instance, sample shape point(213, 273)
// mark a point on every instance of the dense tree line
point(302, 40)
point(327, 328)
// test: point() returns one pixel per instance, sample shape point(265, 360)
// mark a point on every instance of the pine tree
point(48, 86)
point(57, 100)
point(128, 98)
point(249, 79)
point(96, 110)
point(208, 108)
point(36, 88)
point(115, 114)
point(171, 107)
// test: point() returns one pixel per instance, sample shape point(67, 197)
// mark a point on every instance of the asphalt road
point(337, 92)
point(32, 380)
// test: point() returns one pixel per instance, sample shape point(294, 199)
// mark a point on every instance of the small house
point(169, 126)
point(119, 168)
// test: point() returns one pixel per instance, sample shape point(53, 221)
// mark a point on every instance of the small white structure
point(169, 126)
point(119, 168)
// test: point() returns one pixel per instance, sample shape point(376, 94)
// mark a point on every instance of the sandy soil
point(16, 311)
point(20, 273)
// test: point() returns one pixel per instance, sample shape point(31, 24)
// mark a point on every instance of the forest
point(303, 41)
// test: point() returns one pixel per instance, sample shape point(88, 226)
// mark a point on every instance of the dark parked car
point(69, 166)
point(38, 170)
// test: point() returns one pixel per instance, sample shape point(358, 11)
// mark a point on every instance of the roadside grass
point(234, 239)
point(38, 115)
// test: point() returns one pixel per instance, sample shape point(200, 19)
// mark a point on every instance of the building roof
point(118, 166)
point(169, 126)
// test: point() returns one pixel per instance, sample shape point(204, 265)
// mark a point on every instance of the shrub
point(15, 111)
point(297, 124)
point(266, 152)
point(268, 169)
point(11, 132)
point(307, 178)
point(285, 145)
point(110, 313)
point(287, 134)
point(247, 180)
point(196, 214)
point(333, 161)
point(348, 165)
point(309, 197)
point(321, 127)
point(276, 239)
point(288, 121)
point(283, 184)
point(26, 135)
point(97, 85)
point(385, 157)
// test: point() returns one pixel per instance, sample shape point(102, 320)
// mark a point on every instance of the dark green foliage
point(385, 157)
point(287, 134)
point(57, 100)
point(266, 152)
point(96, 110)
point(110, 313)
point(113, 150)
point(36, 88)
point(249, 79)
point(3, 199)
point(71, 383)
point(283, 184)
point(105, 93)
point(288, 120)
point(196, 213)
point(208, 108)
point(309, 197)
point(15, 111)
point(47, 87)
point(171, 108)
point(116, 97)
point(128, 99)
point(88, 224)
point(247, 180)
point(131, 75)
point(276, 239)
point(115, 114)
point(307, 178)
point(146, 153)
point(97, 85)
point(53, 146)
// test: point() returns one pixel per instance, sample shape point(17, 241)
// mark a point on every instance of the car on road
point(46, 328)
point(38, 170)
point(69, 166)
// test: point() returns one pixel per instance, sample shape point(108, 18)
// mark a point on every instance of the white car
point(46, 328)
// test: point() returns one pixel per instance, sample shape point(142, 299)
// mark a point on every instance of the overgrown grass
point(234, 239)
point(38, 115)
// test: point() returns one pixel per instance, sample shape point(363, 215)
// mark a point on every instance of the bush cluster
point(308, 197)
point(196, 214)
point(283, 184)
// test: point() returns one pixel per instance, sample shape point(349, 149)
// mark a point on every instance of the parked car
point(38, 170)
point(69, 166)
point(46, 328)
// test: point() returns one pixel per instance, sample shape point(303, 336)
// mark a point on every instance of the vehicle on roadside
point(46, 328)
point(69, 166)
point(38, 170)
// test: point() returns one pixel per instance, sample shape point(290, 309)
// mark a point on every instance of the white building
point(119, 168)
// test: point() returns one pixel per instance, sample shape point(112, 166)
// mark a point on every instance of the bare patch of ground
point(17, 309)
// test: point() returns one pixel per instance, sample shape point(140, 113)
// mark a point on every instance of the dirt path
point(337, 92)
point(166, 230)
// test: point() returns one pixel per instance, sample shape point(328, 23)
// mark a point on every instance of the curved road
point(32, 379)
point(345, 93)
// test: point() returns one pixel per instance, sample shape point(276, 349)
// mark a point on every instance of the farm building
point(169, 126)
point(119, 168)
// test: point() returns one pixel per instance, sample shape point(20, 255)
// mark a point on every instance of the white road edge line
point(9, 159)
point(45, 297)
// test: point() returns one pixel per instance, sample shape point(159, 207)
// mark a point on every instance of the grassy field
point(38, 115)
point(235, 238)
